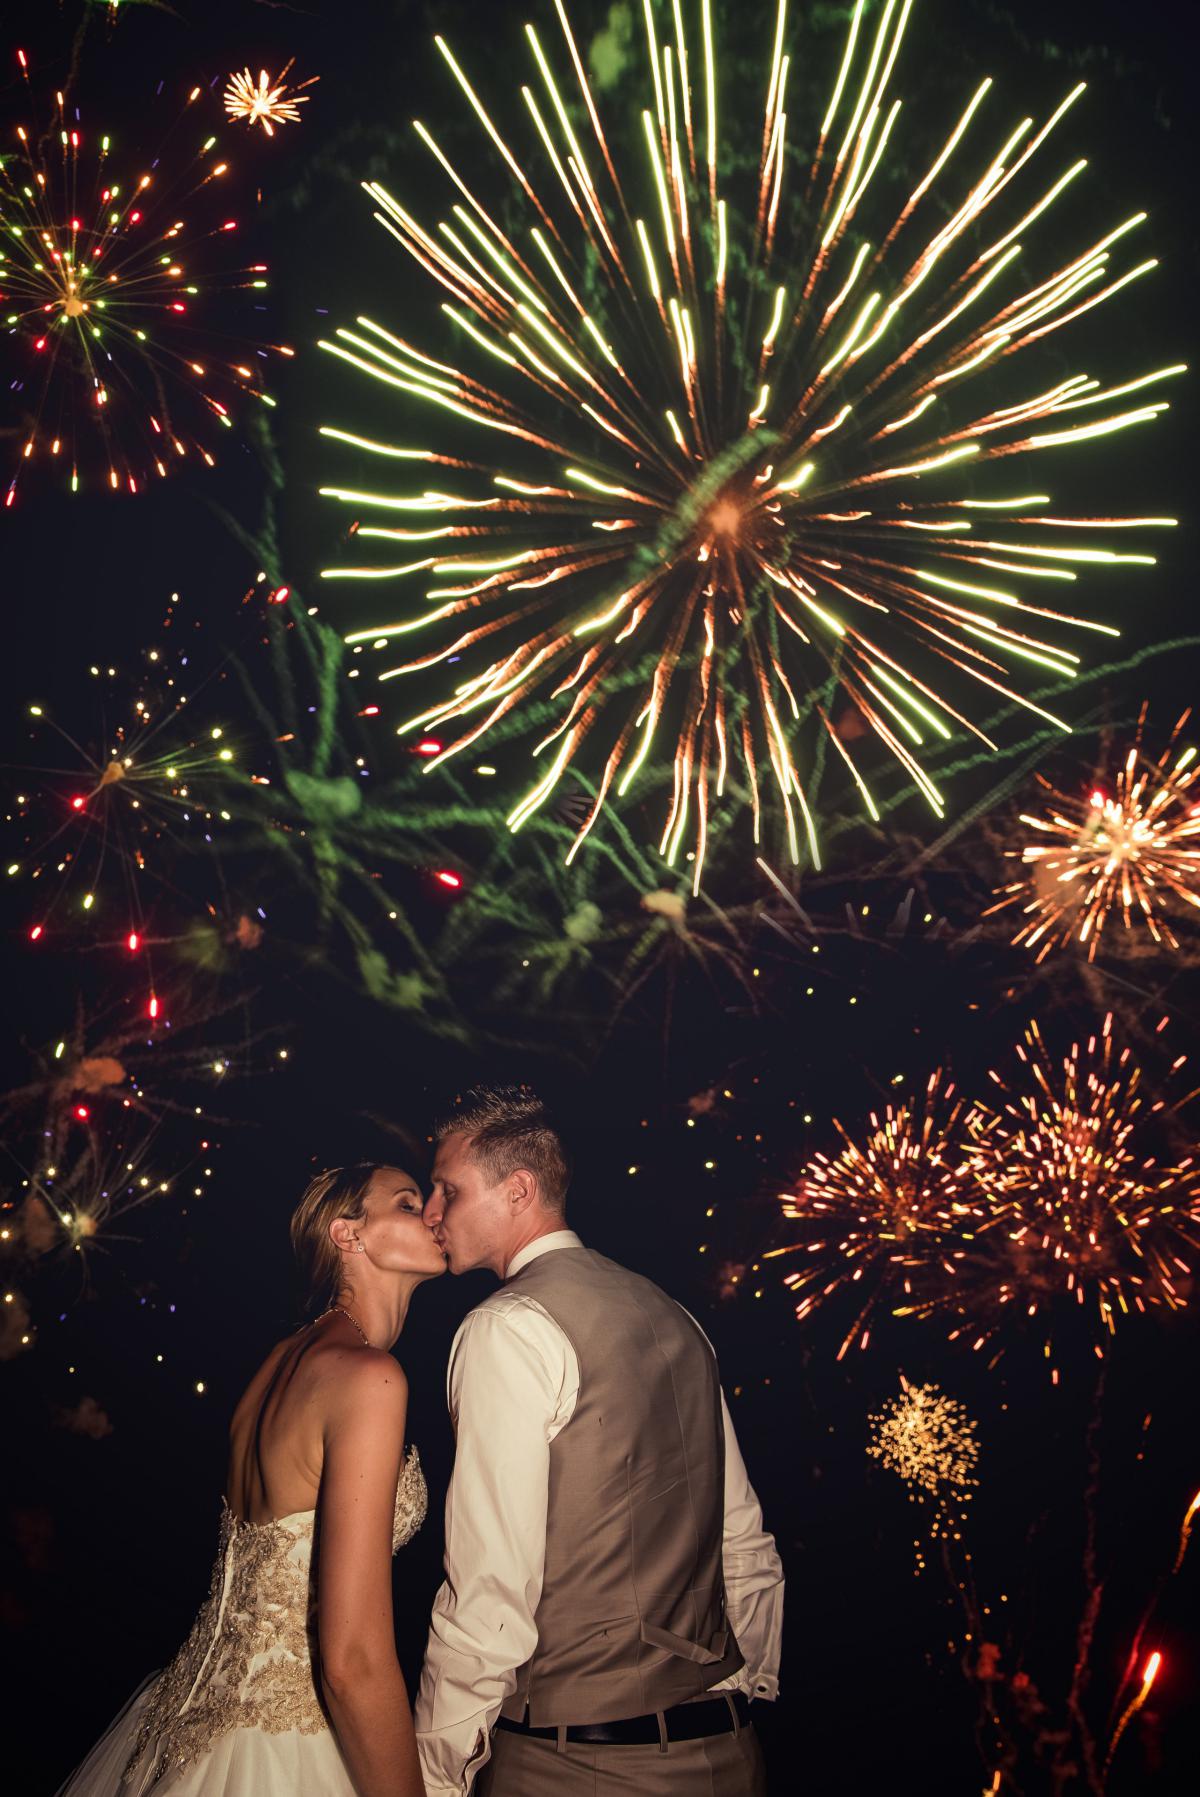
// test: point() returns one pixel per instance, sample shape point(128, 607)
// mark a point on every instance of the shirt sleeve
point(508, 1385)
point(753, 1578)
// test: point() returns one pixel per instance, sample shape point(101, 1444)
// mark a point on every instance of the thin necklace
point(341, 1309)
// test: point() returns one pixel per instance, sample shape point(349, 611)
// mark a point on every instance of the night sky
point(696, 1070)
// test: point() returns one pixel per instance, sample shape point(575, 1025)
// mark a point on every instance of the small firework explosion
point(1082, 1217)
point(928, 1440)
point(742, 447)
point(265, 102)
point(164, 1060)
point(1129, 849)
point(99, 828)
point(70, 1204)
point(93, 1204)
point(102, 276)
point(881, 1218)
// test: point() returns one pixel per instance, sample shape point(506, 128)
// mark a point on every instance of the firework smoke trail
point(1132, 852)
point(882, 1217)
point(98, 282)
point(1080, 1215)
point(742, 466)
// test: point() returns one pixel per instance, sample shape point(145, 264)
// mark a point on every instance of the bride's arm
point(360, 1674)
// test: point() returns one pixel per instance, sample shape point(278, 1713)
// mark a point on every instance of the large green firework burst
point(717, 458)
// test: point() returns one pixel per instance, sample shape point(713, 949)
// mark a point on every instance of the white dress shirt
point(512, 1384)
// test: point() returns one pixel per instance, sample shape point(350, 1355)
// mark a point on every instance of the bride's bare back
point(278, 1432)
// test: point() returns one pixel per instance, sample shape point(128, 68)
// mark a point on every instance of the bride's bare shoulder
point(370, 1379)
point(363, 1396)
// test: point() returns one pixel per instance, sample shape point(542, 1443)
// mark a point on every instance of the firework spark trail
point(882, 1217)
point(1082, 1215)
point(93, 283)
point(1132, 852)
point(1185, 1532)
point(742, 528)
point(1149, 1674)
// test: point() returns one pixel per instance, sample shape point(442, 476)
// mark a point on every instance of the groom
point(611, 1599)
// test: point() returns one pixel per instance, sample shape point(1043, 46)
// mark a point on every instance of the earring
point(360, 1247)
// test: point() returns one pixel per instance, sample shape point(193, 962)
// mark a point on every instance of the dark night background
point(108, 1541)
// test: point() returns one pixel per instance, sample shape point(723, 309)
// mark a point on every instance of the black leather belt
point(685, 1722)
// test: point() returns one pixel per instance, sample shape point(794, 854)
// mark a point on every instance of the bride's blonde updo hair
point(337, 1192)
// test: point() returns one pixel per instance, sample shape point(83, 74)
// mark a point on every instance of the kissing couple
point(612, 1602)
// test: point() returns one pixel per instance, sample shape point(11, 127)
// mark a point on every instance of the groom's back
point(632, 1613)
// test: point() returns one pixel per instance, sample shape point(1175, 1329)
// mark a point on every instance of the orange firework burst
point(1045, 1204)
point(1132, 851)
point(1081, 1216)
point(882, 1217)
point(744, 449)
point(102, 279)
point(265, 102)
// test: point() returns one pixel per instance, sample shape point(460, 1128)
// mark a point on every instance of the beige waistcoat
point(632, 1613)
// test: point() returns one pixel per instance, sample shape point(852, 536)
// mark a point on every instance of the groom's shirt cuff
point(451, 1760)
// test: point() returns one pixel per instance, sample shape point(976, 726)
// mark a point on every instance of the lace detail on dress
point(412, 1501)
point(250, 1659)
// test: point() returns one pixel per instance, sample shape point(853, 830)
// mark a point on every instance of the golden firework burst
point(928, 1440)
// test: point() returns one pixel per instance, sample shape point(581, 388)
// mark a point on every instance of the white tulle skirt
point(243, 1762)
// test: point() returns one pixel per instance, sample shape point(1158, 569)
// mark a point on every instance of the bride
point(289, 1680)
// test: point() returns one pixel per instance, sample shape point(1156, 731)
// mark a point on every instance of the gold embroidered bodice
point(250, 1659)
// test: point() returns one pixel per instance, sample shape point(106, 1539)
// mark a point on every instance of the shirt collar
point(545, 1244)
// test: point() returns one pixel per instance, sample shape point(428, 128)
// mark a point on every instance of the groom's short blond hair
point(509, 1127)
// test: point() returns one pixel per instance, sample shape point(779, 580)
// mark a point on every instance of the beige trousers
point(726, 1765)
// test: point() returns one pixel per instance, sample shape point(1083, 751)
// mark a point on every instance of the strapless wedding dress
point(238, 1711)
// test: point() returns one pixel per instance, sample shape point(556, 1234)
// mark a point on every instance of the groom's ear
point(522, 1190)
